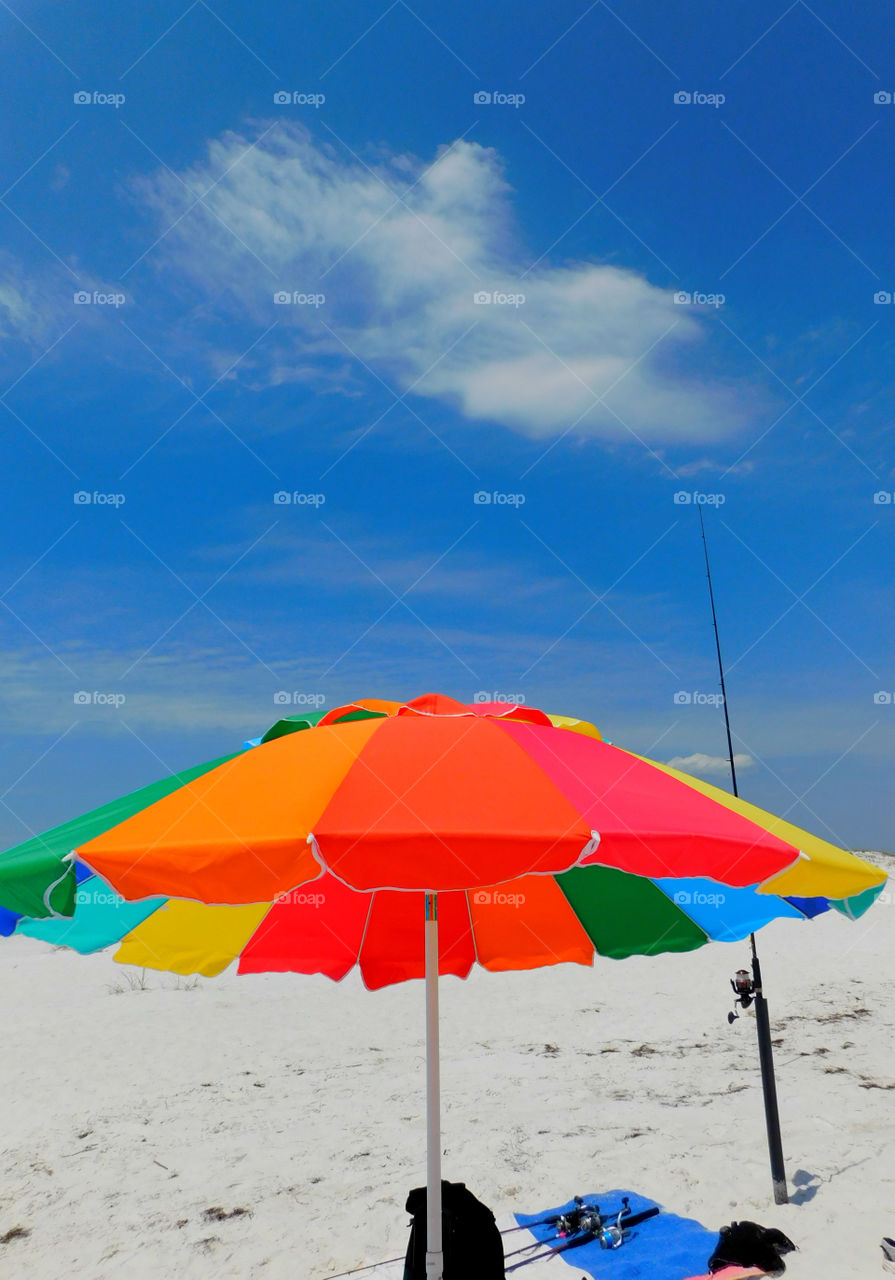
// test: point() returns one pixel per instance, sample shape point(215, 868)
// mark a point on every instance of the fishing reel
point(588, 1221)
point(744, 992)
point(578, 1219)
point(613, 1236)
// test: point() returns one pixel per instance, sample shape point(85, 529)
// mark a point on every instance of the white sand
point(127, 1114)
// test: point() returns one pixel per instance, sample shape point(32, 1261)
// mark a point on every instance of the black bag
point(473, 1249)
point(746, 1244)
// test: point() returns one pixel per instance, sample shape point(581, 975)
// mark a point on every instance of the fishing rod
point(593, 1226)
point(583, 1218)
point(577, 1226)
point(708, 574)
point(749, 989)
point(551, 1220)
point(558, 1220)
point(371, 1266)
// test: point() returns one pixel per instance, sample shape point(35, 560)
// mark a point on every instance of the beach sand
point(272, 1126)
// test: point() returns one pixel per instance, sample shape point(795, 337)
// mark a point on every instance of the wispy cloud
point(35, 305)
point(699, 762)
point(41, 303)
point(399, 249)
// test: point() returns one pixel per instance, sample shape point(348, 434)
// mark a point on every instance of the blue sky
point(682, 221)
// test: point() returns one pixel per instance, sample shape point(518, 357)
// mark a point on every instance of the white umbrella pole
point(434, 1254)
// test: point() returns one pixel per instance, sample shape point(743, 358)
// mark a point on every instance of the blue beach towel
point(662, 1248)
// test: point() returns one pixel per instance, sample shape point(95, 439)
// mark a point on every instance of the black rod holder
point(769, 1085)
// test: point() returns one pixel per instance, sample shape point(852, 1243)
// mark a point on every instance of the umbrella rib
point(360, 947)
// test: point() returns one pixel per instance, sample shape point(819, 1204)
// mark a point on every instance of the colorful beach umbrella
point(530, 840)
point(434, 795)
point(525, 923)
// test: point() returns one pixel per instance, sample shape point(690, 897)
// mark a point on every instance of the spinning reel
point(744, 992)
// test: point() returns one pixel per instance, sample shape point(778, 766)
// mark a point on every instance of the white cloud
point(698, 762)
point(30, 307)
point(698, 466)
point(399, 249)
point(37, 304)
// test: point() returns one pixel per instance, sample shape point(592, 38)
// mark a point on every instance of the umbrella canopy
point(430, 795)
point(37, 877)
point(326, 927)
point(534, 841)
